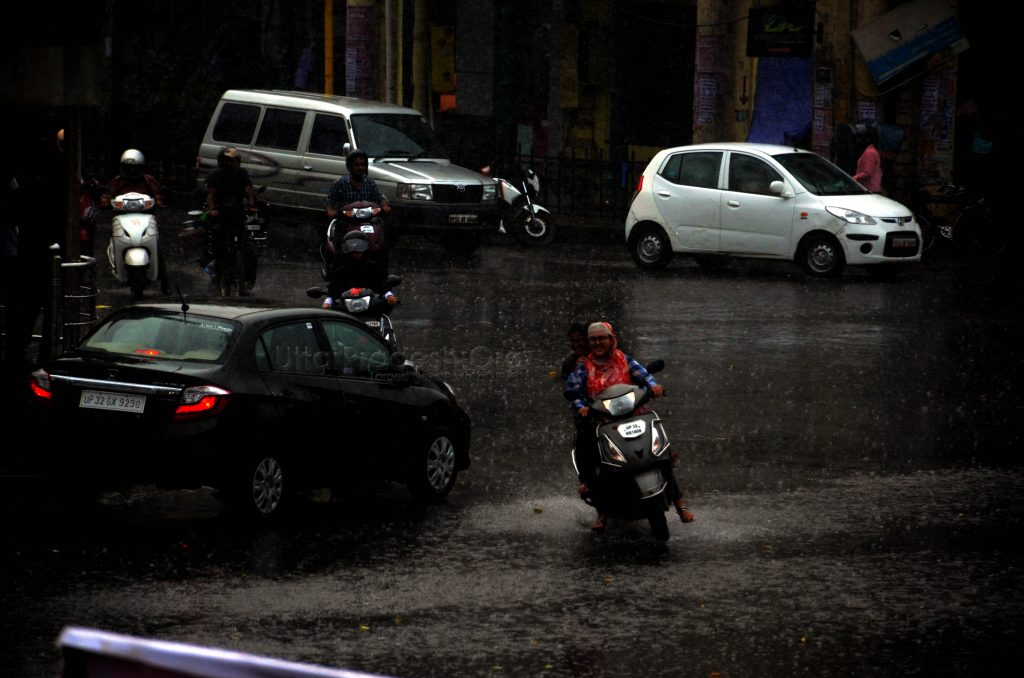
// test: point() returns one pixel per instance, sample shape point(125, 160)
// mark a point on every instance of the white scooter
point(133, 252)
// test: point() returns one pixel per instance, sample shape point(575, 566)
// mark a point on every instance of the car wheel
point(650, 248)
point(821, 255)
point(433, 472)
point(659, 525)
point(538, 231)
point(258, 487)
point(711, 261)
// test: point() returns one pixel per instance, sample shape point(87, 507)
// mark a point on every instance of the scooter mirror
point(316, 292)
point(394, 280)
point(655, 366)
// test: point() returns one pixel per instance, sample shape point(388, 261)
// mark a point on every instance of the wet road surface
point(850, 449)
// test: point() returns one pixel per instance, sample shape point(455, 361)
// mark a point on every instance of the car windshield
point(818, 175)
point(163, 336)
point(393, 135)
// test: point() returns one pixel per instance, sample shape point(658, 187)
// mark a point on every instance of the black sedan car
point(255, 402)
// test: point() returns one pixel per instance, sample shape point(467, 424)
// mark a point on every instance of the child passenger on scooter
point(606, 366)
point(355, 266)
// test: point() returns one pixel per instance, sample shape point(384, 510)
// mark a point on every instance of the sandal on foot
point(685, 515)
point(598, 525)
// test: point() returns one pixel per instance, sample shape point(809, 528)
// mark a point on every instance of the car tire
point(432, 473)
point(659, 525)
point(650, 248)
point(258, 487)
point(821, 255)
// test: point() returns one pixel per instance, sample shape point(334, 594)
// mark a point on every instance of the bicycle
point(967, 221)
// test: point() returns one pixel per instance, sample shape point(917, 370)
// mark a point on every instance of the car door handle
point(732, 203)
point(664, 194)
point(307, 167)
point(286, 393)
point(255, 161)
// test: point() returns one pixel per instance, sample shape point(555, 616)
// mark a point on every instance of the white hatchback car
point(717, 201)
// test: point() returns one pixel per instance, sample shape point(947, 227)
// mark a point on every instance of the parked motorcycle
point(133, 252)
point(368, 305)
point(521, 215)
point(634, 460)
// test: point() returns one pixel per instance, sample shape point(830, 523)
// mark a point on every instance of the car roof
point(316, 102)
point(767, 149)
point(244, 313)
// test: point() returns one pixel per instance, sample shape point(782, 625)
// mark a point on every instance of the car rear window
point(164, 337)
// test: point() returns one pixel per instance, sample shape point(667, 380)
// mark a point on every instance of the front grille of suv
point(451, 192)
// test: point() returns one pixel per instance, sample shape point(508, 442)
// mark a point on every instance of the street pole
point(328, 46)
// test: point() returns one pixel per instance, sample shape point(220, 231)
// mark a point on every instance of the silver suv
point(295, 143)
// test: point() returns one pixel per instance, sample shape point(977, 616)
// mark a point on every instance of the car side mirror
point(779, 188)
point(346, 148)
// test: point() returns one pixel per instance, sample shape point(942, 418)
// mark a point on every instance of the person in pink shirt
point(869, 165)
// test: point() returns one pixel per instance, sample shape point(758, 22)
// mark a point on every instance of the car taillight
point(201, 401)
point(41, 385)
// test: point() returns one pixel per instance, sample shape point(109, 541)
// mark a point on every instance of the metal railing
point(69, 310)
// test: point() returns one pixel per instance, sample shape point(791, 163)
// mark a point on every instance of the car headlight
point(490, 192)
point(415, 192)
point(851, 217)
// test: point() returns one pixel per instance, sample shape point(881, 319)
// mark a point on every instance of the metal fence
point(585, 185)
point(68, 312)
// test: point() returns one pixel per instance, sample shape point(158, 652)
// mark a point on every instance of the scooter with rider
point(621, 452)
point(133, 252)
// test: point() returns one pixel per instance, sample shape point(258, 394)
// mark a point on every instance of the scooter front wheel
point(659, 525)
point(536, 231)
point(137, 282)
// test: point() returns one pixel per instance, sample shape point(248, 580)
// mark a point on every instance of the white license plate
point(632, 429)
point(118, 402)
point(904, 243)
point(253, 227)
point(462, 218)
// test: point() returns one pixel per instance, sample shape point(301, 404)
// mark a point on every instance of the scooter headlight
point(357, 305)
point(620, 405)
